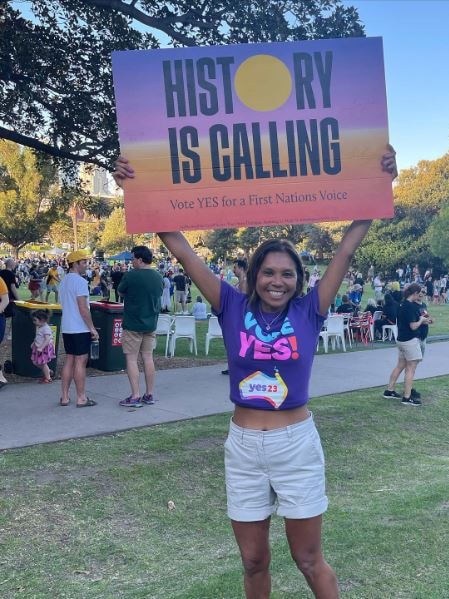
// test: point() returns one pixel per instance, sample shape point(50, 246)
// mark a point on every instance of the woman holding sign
point(273, 455)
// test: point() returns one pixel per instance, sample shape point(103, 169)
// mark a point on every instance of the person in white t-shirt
point(77, 329)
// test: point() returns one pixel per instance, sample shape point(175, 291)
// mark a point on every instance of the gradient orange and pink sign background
point(358, 102)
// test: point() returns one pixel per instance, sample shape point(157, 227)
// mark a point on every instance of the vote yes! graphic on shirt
point(271, 346)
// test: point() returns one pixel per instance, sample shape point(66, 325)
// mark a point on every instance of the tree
point(56, 94)
point(420, 193)
point(114, 237)
point(425, 185)
point(29, 194)
point(79, 202)
point(438, 235)
point(320, 240)
point(250, 237)
point(61, 231)
point(222, 243)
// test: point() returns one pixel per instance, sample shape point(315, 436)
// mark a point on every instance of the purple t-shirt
point(269, 369)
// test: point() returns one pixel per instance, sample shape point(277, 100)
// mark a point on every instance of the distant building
point(98, 182)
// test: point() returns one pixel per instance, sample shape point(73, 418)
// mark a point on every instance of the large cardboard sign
point(253, 134)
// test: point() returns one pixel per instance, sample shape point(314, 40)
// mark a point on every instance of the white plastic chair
point(376, 316)
point(347, 326)
point(389, 331)
point(213, 331)
point(184, 328)
point(334, 331)
point(164, 327)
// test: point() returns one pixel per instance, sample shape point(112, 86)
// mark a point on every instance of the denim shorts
point(278, 470)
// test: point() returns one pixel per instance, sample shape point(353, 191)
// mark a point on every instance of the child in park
point(43, 348)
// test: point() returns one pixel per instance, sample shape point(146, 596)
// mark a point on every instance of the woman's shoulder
point(231, 299)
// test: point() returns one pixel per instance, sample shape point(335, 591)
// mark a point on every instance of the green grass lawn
point(89, 518)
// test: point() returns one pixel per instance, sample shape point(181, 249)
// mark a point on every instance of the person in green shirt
point(141, 289)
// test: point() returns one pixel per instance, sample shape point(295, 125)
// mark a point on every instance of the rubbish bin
point(24, 332)
point(107, 318)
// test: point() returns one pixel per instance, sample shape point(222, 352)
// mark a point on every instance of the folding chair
point(376, 316)
point(164, 327)
point(213, 332)
point(361, 326)
point(389, 331)
point(334, 331)
point(184, 328)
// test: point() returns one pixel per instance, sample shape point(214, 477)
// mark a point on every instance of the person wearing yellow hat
point(77, 329)
point(77, 256)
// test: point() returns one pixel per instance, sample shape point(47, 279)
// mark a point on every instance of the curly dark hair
point(41, 314)
point(283, 246)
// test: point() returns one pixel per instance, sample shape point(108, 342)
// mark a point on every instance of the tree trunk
point(74, 216)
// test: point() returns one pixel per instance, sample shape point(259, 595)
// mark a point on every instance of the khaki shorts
point(135, 342)
point(410, 350)
point(280, 470)
point(180, 296)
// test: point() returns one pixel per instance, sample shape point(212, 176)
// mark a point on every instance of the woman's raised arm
point(177, 244)
point(335, 272)
point(198, 271)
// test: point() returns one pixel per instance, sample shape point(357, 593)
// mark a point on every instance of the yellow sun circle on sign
point(263, 82)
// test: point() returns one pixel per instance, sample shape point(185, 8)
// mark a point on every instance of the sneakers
point(391, 394)
point(414, 393)
point(411, 401)
point(131, 402)
point(147, 399)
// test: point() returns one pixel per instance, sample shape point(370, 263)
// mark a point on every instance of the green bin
point(24, 332)
point(107, 318)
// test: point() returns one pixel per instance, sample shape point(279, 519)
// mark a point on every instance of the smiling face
point(276, 281)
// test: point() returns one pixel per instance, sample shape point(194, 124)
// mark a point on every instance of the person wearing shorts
point(273, 455)
point(410, 320)
point(180, 282)
point(141, 289)
point(52, 282)
point(77, 329)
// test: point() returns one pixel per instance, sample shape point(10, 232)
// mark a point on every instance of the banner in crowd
point(253, 134)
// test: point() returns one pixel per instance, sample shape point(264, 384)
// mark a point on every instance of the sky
point(416, 55)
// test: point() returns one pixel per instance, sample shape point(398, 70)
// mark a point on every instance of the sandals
point(45, 381)
point(88, 404)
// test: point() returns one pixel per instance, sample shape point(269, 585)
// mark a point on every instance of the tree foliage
point(29, 195)
point(114, 237)
point(322, 238)
point(222, 243)
point(419, 194)
point(55, 75)
point(439, 235)
point(425, 186)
